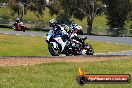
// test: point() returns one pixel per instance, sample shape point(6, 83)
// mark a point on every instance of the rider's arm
point(21, 23)
point(51, 33)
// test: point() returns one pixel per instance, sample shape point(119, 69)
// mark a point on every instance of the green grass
point(12, 45)
point(6, 29)
point(62, 74)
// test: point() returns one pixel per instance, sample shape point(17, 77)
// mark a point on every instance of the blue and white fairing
point(57, 34)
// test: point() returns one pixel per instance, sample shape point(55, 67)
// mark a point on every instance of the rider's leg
point(63, 44)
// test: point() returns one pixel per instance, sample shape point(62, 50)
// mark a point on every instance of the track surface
point(120, 40)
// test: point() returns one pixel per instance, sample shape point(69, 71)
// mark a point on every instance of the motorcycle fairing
point(60, 41)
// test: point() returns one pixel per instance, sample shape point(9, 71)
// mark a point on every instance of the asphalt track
point(120, 40)
point(116, 40)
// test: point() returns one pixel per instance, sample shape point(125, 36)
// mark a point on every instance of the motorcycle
point(77, 28)
point(57, 46)
point(18, 27)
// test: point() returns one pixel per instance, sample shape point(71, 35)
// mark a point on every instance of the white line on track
point(32, 35)
point(114, 52)
point(6, 33)
point(17, 34)
point(98, 53)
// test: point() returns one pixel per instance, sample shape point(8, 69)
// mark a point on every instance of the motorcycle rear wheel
point(90, 51)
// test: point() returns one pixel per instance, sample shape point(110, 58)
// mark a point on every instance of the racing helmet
point(53, 23)
point(17, 19)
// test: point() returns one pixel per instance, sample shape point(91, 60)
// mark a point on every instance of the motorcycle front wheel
point(54, 51)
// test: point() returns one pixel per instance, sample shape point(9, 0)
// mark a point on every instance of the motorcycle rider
point(57, 31)
point(75, 27)
point(18, 23)
point(74, 34)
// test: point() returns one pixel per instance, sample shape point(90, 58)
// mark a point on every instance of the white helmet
point(53, 23)
point(17, 19)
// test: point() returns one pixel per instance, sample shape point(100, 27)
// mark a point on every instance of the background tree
point(117, 14)
point(130, 11)
point(4, 1)
point(37, 7)
point(21, 6)
point(56, 8)
point(62, 16)
point(15, 7)
point(81, 9)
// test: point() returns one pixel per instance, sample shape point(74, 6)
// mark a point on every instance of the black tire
point(90, 50)
point(88, 53)
point(23, 29)
point(57, 53)
point(68, 54)
point(81, 32)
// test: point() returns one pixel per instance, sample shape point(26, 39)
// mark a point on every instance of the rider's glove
point(47, 40)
